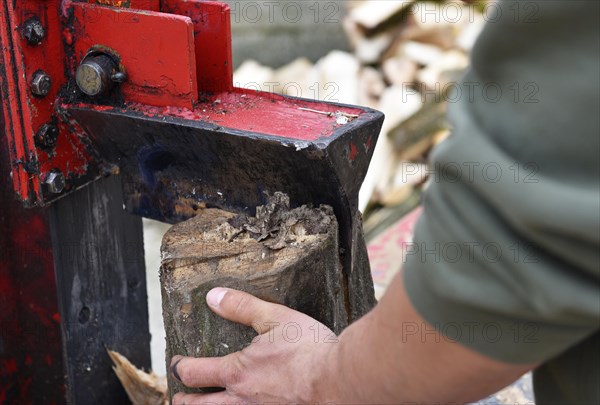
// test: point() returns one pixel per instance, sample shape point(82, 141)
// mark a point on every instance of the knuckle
point(240, 305)
point(233, 370)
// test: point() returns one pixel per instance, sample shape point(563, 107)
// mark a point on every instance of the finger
point(200, 372)
point(241, 307)
point(218, 398)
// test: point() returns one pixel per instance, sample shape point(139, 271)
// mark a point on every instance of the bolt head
point(33, 31)
point(41, 84)
point(94, 75)
point(55, 182)
point(46, 136)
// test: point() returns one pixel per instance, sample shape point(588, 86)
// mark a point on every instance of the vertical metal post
point(31, 367)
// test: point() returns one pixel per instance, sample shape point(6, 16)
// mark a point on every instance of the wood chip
point(141, 387)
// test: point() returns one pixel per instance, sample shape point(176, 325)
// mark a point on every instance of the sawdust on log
point(276, 225)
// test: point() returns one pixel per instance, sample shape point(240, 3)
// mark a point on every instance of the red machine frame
point(192, 50)
point(173, 136)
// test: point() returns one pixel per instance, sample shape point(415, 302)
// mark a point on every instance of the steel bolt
point(47, 135)
point(119, 77)
point(55, 182)
point(95, 75)
point(33, 31)
point(41, 84)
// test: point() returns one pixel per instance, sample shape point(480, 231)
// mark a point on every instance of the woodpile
point(407, 56)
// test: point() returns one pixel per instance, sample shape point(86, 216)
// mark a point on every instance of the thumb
point(240, 307)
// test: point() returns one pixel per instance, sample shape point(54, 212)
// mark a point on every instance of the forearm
point(378, 361)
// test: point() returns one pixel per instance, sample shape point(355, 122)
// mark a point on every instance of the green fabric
point(506, 255)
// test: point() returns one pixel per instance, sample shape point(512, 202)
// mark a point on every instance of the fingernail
point(215, 296)
point(176, 359)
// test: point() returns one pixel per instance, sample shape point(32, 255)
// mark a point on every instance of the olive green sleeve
point(505, 258)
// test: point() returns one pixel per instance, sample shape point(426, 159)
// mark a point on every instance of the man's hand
point(283, 364)
point(375, 361)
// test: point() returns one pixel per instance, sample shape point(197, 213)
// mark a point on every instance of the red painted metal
point(155, 49)
point(17, 113)
point(153, 5)
point(31, 364)
point(160, 62)
point(169, 57)
point(25, 113)
point(261, 112)
point(212, 36)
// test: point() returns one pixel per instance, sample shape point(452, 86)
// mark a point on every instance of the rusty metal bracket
point(42, 45)
point(32, 42)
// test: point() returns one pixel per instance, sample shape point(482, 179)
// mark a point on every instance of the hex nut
point(55, 182)
point(41, 84)
point(46, 136)
point(33, 31)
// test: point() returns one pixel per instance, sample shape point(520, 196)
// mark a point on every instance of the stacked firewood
point(407, 56)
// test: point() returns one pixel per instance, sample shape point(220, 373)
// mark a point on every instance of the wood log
point(375, 17)
point(283, 255)
point(420, 127)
